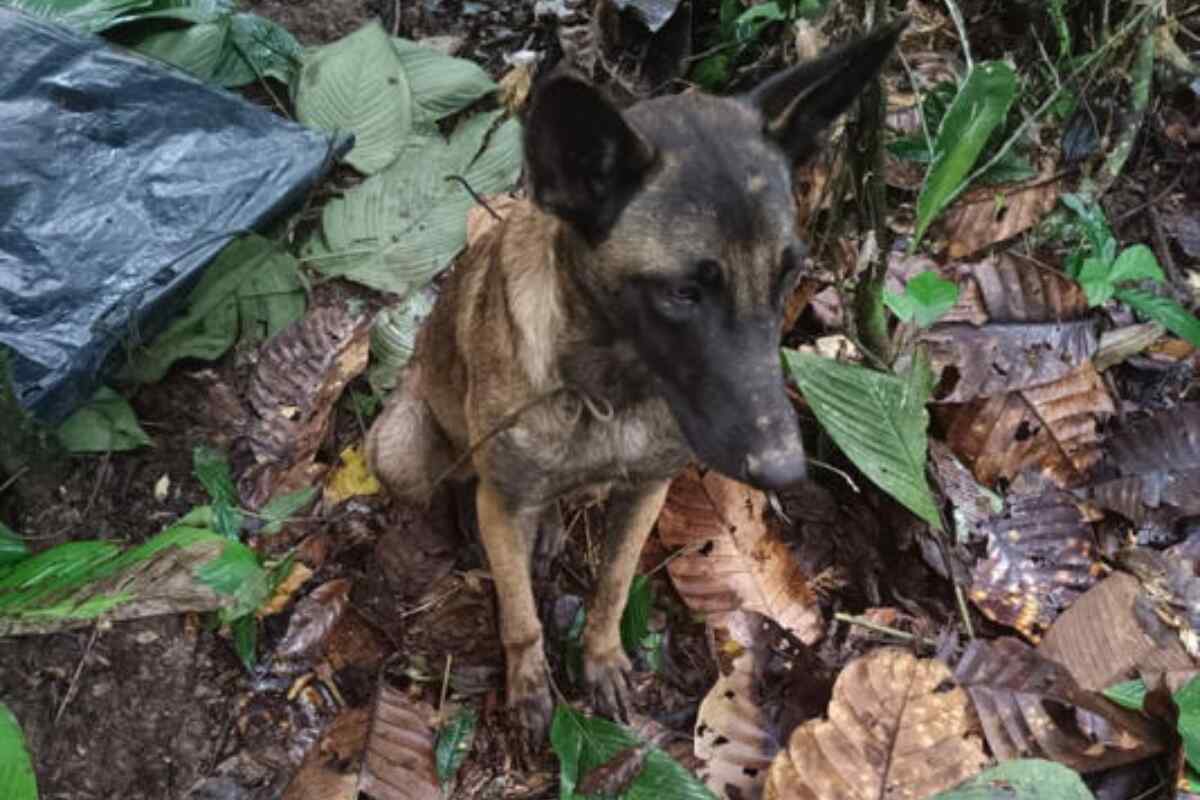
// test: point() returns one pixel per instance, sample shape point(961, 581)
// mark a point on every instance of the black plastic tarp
point(119, 180)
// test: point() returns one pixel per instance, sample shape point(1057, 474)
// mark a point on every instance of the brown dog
point(624, 320)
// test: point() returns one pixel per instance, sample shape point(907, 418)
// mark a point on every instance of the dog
point(622, 321)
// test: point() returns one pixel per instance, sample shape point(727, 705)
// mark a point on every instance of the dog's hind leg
point(406, 448)
point(631, 515)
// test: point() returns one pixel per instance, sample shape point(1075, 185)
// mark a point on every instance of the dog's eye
point(708, 273)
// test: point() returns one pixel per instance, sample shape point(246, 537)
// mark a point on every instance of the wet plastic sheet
point(119, 180)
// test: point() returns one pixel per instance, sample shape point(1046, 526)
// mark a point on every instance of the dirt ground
point(162, 708)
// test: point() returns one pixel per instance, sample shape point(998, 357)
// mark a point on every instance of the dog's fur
point(623, 320)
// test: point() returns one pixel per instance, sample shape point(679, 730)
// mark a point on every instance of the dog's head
point(683, 215)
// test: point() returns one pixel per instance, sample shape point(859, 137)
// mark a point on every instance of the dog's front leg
point(631, 515)
point(508, 535)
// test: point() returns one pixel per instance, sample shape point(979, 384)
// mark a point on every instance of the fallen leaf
point(330, 771)
point(315, 616)
point(297, 576)
point(894, 730)
point(349, 479)
point(734, 559)
point(995, 213)
point(400, 763)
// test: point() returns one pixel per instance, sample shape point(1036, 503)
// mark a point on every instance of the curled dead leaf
point(896, 728)
point(989, 215)
point(734, 558)
point(400, 761)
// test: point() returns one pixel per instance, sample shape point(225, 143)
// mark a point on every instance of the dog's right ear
point(584, 161)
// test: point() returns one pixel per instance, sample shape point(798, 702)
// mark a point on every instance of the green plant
point(1105, 274)
point(738, 30)
point(926, 298)
point(1132, 695)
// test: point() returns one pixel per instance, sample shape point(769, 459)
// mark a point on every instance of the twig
point(862, 622)
point(956, 15)
point(16, 476)
point(474, 196)
point(74, 687)
point(445, 682)
point(839, 472)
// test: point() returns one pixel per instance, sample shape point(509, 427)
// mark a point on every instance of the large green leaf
point(253, 289)
point(1188, 701)
point(878, 420)
point(925, 299)
point(441, 85)
point(17, 781)
point(1021, 779)
point(91, 16)
point(584, 743)
point(358, 84)
point(399, 228)
point(220, 46)
point(106, 423)
point(980, 106)
point(1177, 319)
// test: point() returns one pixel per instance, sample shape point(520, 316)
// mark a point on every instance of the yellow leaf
point(351, 478)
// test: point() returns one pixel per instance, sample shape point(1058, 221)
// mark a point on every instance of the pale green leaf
point(927, 297)
point(277, 511)
point(878, 420)
point(1136, 263)
point(399, 228)
point(441, 85)
point(1095, 276)
point(1021, 779)
point(197, 49)
point(454, 742)
point(358, 84)
point(90, 16)
point(104, 424)
point(980, 107)
point(17, 780)
point(1177, 319)
point(1187, 700)
point(251, 289)
point(1130, 694)
point(584, 743)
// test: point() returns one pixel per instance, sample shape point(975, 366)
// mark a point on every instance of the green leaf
point(277, 511)
point(1095, 226)
point(12, 547)
point(1095, 276)
point(252, 289)
point(454, 743)
point(1173, 316)
point(212, 470)
point(222, 47)
point(399, 228)
point(878, 420)
point(635, 619)
point(106, 423)
point(927, 297)
point(245, 639)
point(441, 85)
point(584, 743)
point(1130, 694)
point(358, 84)
point(1022, 779)
point(751, 22)
point(980, 106)
point(237, 574)
point(90, 16)
point(1187, 700)
point(1136, 263)
point(17, 781)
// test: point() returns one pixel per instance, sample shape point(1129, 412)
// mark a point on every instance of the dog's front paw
point(529, 693)
point(607, 677)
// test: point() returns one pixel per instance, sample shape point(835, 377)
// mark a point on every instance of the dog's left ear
point(583, 160)
point(798, 103)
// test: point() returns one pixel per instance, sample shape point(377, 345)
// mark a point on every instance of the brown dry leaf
point(514, 87)
point(735, 559)
point(1051, 427)
point(1019, 290)
point(733, 736)
point(1040, 557)
point(300, 375)
point(894, 731)
point(314, 618)
point(993, 214)
point(1158, 460)
point(330, 770)
point(400, 762)
point(1101, 640)
point(984, 362)
point(1031, 707)
point(297, 576)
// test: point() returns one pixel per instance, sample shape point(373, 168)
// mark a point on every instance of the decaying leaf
point(315, 616)
point(1169, 603)
point(993, 214)
point(1040, 558)
point(1017, 290)
point(331, 769)
point(1050, 427)
point(351, 478)
point(733, 736)
point(995, 359)
point(1030, 706)
point(735, 559)
point(1158, 460)
point(299, 376)
point(400, 762)
point(1101, 639)
point(894, 730)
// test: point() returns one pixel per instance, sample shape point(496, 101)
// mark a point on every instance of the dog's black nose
point(775, 469)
